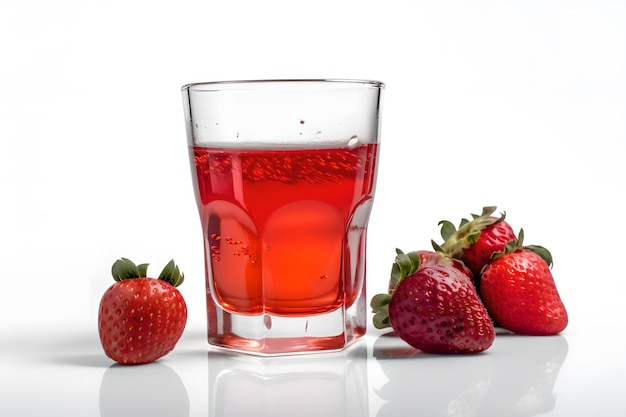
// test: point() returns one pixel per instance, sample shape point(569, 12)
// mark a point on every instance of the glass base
point(267, 335)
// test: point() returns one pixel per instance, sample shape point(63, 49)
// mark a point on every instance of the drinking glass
point(284, 175)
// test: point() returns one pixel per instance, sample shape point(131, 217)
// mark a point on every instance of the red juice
point(284, 230)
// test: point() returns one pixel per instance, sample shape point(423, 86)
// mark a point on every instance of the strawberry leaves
point(468, 233)
point(405, 265)
point(518, 244)
point(124, 269)
point(171, 274)
point(380, 308)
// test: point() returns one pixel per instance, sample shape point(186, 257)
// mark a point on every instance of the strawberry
point(141, 319)
point(476, 240)
point(519, 291)
point(434, 308)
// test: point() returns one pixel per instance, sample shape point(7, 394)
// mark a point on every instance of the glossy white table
point(578, 373)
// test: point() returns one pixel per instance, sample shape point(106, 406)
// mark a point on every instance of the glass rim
point(284, 82)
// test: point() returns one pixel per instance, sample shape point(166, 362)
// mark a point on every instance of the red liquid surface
point(284, 230)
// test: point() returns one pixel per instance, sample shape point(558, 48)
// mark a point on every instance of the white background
point(519, 104)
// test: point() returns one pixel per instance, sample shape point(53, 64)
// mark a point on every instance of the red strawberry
point(476, 240)
point(519, 291)
point(141, 319)
point(434, 308)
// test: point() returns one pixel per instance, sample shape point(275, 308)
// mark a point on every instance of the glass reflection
point(153, 390)
point(515, 377)
point(329, 384)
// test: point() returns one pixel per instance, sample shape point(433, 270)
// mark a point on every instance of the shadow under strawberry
point(528, 367)
point(430, 384)
point(515, 377)
point(154, 390)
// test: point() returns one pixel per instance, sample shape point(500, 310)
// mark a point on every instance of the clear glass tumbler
point(284, 174)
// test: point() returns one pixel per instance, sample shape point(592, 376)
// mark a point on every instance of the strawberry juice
point(284, 230)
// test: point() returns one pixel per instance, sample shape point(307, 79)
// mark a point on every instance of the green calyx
point(124, 268)
point(455, 240)
point(380, 308)
point(518, 244)
point(405, 265)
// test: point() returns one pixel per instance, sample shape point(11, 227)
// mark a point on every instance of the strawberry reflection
point(153, 390)
point(333, 384)
point(515, 377)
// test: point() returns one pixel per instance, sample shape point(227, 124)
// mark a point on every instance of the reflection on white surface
point(333, 384)
point(66, 373)
point(515, 379)
point(153, 390)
